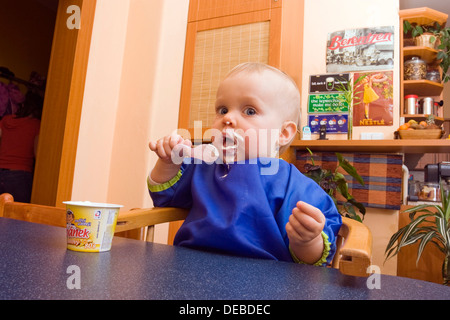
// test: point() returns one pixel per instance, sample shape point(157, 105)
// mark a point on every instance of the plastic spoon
point(205, 152)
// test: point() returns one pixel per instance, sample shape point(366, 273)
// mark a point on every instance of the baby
point(234, 209)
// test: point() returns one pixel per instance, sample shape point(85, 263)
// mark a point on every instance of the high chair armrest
point(138, 218)
point(355, 255)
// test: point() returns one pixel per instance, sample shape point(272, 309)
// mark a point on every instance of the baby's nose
point(229, 120)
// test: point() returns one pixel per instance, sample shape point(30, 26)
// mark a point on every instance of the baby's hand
point(305, 224)
point(164, 146)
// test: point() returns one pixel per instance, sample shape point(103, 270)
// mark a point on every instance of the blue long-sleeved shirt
point(234, 209)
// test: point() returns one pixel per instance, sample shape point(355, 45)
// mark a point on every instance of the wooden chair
point(31, 212)
point(354, 243)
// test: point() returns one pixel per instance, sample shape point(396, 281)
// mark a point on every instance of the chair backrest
point(31, 212)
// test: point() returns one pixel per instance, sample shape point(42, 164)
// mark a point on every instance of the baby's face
point(248, 104)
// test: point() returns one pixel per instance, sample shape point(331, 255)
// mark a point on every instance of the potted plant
point(423, 35)
point(430, 227)
point(332, 182)
point(438, 37)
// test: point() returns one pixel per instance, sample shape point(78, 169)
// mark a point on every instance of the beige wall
point(132, 95)
point(321, 18)
point(101, 102)
point(133, 90)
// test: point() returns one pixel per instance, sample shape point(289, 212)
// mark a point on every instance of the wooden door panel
point(209, 9)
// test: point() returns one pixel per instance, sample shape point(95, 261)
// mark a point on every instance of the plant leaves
point(413, 238)
point(359, 205)
point(441, 225)
point(342, 188)
point(332, 182)
point(393, 240)
point(437, 233)
point(445, 203)
point(419, 29)
point(410, 229)
point(312, 158)
point(344, 164)
point(421, 208)
point(429, 236)
point(406, 26)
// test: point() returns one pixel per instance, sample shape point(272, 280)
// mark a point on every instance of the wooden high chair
point(354, 243)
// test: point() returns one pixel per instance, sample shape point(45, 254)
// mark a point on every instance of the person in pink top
point(19, 134)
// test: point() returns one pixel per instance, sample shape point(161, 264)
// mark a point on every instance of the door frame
point(56, 153)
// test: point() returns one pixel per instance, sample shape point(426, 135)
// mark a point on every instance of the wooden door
point(222, 34)
point(57, 148)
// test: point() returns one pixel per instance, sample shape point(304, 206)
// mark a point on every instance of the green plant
point(348, 95)
point(417, 30)
point(442, 35)
point(444, 52)
point(430, 227)
point(333, 182)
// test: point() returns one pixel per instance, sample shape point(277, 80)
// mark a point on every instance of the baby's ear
point(287, 133)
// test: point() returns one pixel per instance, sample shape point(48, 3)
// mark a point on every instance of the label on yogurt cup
point(90, 226)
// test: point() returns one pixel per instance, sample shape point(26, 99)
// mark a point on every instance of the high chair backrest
point(31, 212)
point(354, 243)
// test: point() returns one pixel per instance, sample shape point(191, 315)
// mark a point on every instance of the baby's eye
point(221, 110)
point(250, 111)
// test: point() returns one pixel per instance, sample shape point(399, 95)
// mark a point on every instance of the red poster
point(373, 100)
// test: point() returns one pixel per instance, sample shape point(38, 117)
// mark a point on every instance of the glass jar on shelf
point(415, 69)
point(430, 191)
point(434, 75)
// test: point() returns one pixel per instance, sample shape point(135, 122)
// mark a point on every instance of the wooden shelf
point(375, 146)
point(420, 117)
point(423, 16)
point(422, 88)
point(425, 53)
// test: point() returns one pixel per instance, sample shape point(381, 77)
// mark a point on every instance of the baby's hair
point(259, 67)
point(256, 67)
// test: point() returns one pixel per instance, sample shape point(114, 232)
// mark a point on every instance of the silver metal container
point(411, 104)
point(427, 105)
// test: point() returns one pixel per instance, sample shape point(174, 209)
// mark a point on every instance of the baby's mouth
point(231, 143)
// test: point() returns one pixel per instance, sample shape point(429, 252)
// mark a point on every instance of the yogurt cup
point(90, 226)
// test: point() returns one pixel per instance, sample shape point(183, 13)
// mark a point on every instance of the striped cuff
point(158, 187)
point(325, 253)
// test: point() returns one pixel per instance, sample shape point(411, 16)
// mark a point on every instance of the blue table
point(34, 264)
